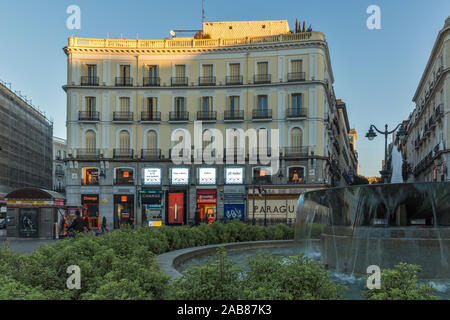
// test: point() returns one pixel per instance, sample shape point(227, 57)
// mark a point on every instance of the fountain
point(381, 224)
point(397, 162)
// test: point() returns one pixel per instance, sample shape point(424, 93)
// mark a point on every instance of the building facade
point(134, 107)
point(59, 154)
point(25, 144)
point(426, 145)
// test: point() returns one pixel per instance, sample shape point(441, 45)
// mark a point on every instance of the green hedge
point(119, 265)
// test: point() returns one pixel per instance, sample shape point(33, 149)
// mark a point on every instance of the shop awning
point(34, 197)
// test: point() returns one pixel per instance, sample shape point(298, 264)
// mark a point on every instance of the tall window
point(296, 66)
point(124, 140)
point(234, 105)
point(124, 105)
point(179, 105)
point(180, 71)
point(152, 71)
point(124, 71)
point(90, 105)
point(90, 140)
point(91, 71)
point(206, 105)
point(152, 142)
point(262, 68)
point(296, 138)
point(124, 176)
point(296, 102)
point(262, 105)
point(235, 70)
point(207, 71)
point(151, 105)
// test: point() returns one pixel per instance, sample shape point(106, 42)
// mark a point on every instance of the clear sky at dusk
point(376, 71)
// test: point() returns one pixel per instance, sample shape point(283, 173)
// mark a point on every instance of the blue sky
point(376, 71)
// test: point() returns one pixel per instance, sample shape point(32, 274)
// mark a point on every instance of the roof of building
point(241, 29)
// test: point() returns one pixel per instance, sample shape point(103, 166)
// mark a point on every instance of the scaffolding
point(26, 142)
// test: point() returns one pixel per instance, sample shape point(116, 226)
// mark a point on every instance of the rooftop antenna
point(203, 13)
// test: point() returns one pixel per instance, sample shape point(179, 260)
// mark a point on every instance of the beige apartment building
point(426, 145)
point(127, 99)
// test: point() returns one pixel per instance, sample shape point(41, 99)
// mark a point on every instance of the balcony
point(293, 113)
point(296, 152)
point(151, 82)
point(88, 116)
point(234, 80)
point(88, 153)
point(123, 153)
point(124, 82)
point(59, 172)
point(208, 116)
point(207, 81)
point(431, 122)
point(151, 116)
point(235, 115)
point(179, 116)
point(179, 81)
point(151, 154)
point(261, 78)
point(296, 76)
point(89, 81)
point(123, 116)
point(439, 112)
point(262, 114)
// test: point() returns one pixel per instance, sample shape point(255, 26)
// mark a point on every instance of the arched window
point(296, 138)
point(124, 140)
point(90, 140)
point(152, 140)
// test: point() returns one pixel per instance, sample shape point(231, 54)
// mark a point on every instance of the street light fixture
point(371, 134)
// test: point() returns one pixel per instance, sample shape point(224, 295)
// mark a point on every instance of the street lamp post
point(371, 135)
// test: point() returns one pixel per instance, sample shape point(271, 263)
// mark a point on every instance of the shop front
point(176, 197)
point(124, 211)
point(90, 210)
point(151, 197)
point(33, 213)
point(207, 204)
point(234, 194)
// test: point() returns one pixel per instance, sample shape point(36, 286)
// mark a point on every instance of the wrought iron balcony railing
point(89, 81)
point(88, 116)
point(296, 76)
point(261, 78)
point(154, 154)
point(296, 113)
point(178, 116)
point(262, 114)
point(233, 115)
point(180, 81)
point(124, 82)
point(150, 116)
point(122, 116)
point(207, 81)
point(123, 153)
point(296, 152)
point(151, 82)
point(207, 115)
point(88, 153)
point(234, 80)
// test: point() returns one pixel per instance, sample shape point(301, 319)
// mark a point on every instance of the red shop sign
point(206, 197)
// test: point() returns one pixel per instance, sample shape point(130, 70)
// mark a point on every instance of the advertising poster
point(176, 208)
point(28, 223)
point(235, 211)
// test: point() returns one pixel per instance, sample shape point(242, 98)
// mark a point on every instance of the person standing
point(104, 225)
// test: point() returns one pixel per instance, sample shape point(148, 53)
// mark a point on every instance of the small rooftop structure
point(242, 29)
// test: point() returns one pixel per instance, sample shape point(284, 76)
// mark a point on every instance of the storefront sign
point(206, 196)
point(179, 176)
point(152, 176)
point(234, 175)
point(207, 175)
point(234, 211)
point(275, 208)
point(152, 199)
